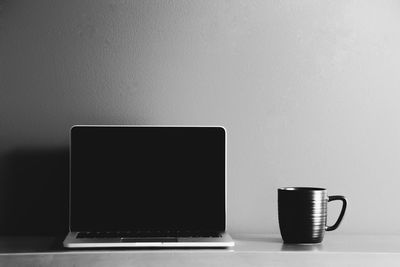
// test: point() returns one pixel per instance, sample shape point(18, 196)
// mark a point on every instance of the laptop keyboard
point(147, 234)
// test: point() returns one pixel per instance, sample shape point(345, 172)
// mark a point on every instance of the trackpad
point(148, 239)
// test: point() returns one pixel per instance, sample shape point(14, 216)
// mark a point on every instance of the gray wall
point(308, 91)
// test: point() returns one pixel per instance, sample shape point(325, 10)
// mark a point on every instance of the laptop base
point(71, 241)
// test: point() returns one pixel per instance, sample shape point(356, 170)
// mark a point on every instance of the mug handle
point(344, 205)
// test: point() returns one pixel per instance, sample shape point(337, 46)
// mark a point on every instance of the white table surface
point(250, 250)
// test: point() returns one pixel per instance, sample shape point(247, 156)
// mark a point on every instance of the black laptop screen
point(158, 178)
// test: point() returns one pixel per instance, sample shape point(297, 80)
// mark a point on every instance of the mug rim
point(301, 188)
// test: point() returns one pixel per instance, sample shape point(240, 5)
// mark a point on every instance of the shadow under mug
point(302, 213)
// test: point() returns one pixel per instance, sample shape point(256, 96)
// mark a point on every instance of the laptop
point(147, 186)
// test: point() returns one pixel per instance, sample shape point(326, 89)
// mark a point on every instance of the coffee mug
point(302, 213)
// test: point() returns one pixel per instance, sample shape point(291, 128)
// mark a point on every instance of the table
point(250, 250)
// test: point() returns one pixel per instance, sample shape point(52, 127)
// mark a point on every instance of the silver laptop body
point(147, 186)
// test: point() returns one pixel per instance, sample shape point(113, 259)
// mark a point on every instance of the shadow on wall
point(34, 192)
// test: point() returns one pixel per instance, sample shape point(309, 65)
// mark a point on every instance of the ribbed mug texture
point(302, 214)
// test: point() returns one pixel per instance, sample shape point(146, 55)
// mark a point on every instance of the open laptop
point(147, 186)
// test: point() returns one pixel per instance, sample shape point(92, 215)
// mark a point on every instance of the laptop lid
point(126, 178)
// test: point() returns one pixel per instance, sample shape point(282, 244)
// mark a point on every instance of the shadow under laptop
point(34, 192)
point(146, 249)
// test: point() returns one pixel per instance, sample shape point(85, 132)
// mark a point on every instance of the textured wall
point(308, 91)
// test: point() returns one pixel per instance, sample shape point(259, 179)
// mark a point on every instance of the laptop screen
point(144, 177)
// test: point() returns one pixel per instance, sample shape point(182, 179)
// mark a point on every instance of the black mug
point(302, 213)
